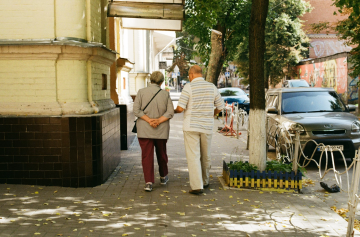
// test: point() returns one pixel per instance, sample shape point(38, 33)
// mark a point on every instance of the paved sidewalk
point(121, 207)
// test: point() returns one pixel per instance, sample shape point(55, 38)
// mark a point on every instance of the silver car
point(319, 114)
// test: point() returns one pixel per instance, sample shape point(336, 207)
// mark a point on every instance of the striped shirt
point(198, 99)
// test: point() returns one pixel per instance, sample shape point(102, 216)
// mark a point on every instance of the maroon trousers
point(147, 154)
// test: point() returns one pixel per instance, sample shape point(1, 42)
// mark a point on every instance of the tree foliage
point(286, 42)
point(230, 17)
point(183, 52)
point(349, 30)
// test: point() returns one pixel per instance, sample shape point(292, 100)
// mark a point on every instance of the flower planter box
point(262, 180)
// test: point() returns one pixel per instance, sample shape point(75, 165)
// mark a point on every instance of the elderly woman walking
point(153, 127)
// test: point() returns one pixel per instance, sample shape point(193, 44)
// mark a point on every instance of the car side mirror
point(352, 108)
point(272, 110)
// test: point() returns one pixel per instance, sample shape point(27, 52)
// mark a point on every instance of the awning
point(151, 24)
point(168, 11)
point(149, 14)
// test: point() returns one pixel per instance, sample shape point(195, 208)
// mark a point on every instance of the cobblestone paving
point(121, 207)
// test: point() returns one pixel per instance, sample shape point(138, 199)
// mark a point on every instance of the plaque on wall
point(162, 65)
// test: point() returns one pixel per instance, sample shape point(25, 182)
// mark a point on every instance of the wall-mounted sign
point(162, 65)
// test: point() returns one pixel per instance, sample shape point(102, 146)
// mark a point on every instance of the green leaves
point(230, 17)
point(349, 31)
point(245, 166)
point(286, 42)
point(277, 166)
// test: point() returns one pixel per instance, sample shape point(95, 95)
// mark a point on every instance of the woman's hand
point(154, 123)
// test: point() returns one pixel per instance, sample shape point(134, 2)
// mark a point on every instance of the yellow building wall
point(24, 19)
point(27, 81)
point(71, 18)
point(72, 81)
point(95, 20)
point(97, 70)
point(49, 19)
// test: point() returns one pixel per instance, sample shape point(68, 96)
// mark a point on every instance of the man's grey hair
point(157, 77)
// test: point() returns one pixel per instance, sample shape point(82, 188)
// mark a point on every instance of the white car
point(295, 83)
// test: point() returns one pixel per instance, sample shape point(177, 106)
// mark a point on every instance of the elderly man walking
point(198, 100)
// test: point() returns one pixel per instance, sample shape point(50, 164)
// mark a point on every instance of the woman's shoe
point(164, 180)
point(148, 187)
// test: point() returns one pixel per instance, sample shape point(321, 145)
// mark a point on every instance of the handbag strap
point(151, 99)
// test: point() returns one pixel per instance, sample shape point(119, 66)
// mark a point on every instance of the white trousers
point(197, 149)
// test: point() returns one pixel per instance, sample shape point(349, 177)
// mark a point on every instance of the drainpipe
point(88, 62)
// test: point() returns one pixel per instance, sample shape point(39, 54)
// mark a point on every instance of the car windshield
point(299, 84)
point(311, 101)
point(231, 92)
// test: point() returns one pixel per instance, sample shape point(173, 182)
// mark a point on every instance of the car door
point(272, 101)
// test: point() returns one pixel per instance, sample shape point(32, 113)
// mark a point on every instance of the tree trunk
point(257, 146)
point(358, 109)
point(212, 73)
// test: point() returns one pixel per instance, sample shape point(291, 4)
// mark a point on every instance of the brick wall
point(322, 12)
point(97, 70)
point(27, 81)
point(72, 81)
point(53, 80)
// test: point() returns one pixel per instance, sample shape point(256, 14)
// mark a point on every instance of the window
point(104, 81)
point(272, 101)
point(311, 102)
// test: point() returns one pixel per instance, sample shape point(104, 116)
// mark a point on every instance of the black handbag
point(134, 130)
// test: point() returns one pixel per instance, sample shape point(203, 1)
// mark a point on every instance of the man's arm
point(179, 109)
point(184, 99)
point(219, 102)
point(217, 111)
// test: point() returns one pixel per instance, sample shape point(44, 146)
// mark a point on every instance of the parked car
point(319, 114)
point(234, 94)
point(295, 83)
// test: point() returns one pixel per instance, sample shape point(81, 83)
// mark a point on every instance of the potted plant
point(167, 88)
point(277, 175)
